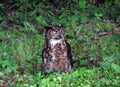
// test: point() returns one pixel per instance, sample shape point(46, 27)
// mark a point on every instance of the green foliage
point(87, 27)
point(82, 4)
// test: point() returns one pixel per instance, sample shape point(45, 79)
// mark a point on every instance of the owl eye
point(53, 32)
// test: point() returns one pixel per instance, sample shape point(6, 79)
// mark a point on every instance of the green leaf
point(82, 4)
point(5, 54)
point(98, 16)
point(1, 18)
point(4, 63)
point(41, 20)
point(84, 19)
point(116, 67)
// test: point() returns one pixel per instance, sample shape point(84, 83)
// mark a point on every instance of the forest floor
point(93, 34)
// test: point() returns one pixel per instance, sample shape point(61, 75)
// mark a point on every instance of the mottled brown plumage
point(56, 54)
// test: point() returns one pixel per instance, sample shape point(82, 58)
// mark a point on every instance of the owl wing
point(44, 54)
point(69, 53)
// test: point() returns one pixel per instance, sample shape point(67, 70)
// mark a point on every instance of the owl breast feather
point(53, 42)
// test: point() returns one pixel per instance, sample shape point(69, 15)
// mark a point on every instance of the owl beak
point(61, 36)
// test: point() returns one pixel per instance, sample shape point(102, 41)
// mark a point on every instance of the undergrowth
point(92, 31)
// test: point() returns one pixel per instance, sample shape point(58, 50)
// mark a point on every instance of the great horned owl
point(56, 55)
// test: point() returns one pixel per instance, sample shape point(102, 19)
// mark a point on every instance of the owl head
point(54, 32)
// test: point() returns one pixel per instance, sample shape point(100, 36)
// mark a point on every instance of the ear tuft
point(61, 25)
point(47, 27)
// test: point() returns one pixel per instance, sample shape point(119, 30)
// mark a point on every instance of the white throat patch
point(53, 42)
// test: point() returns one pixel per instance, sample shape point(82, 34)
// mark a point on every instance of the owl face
point(54, 32)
